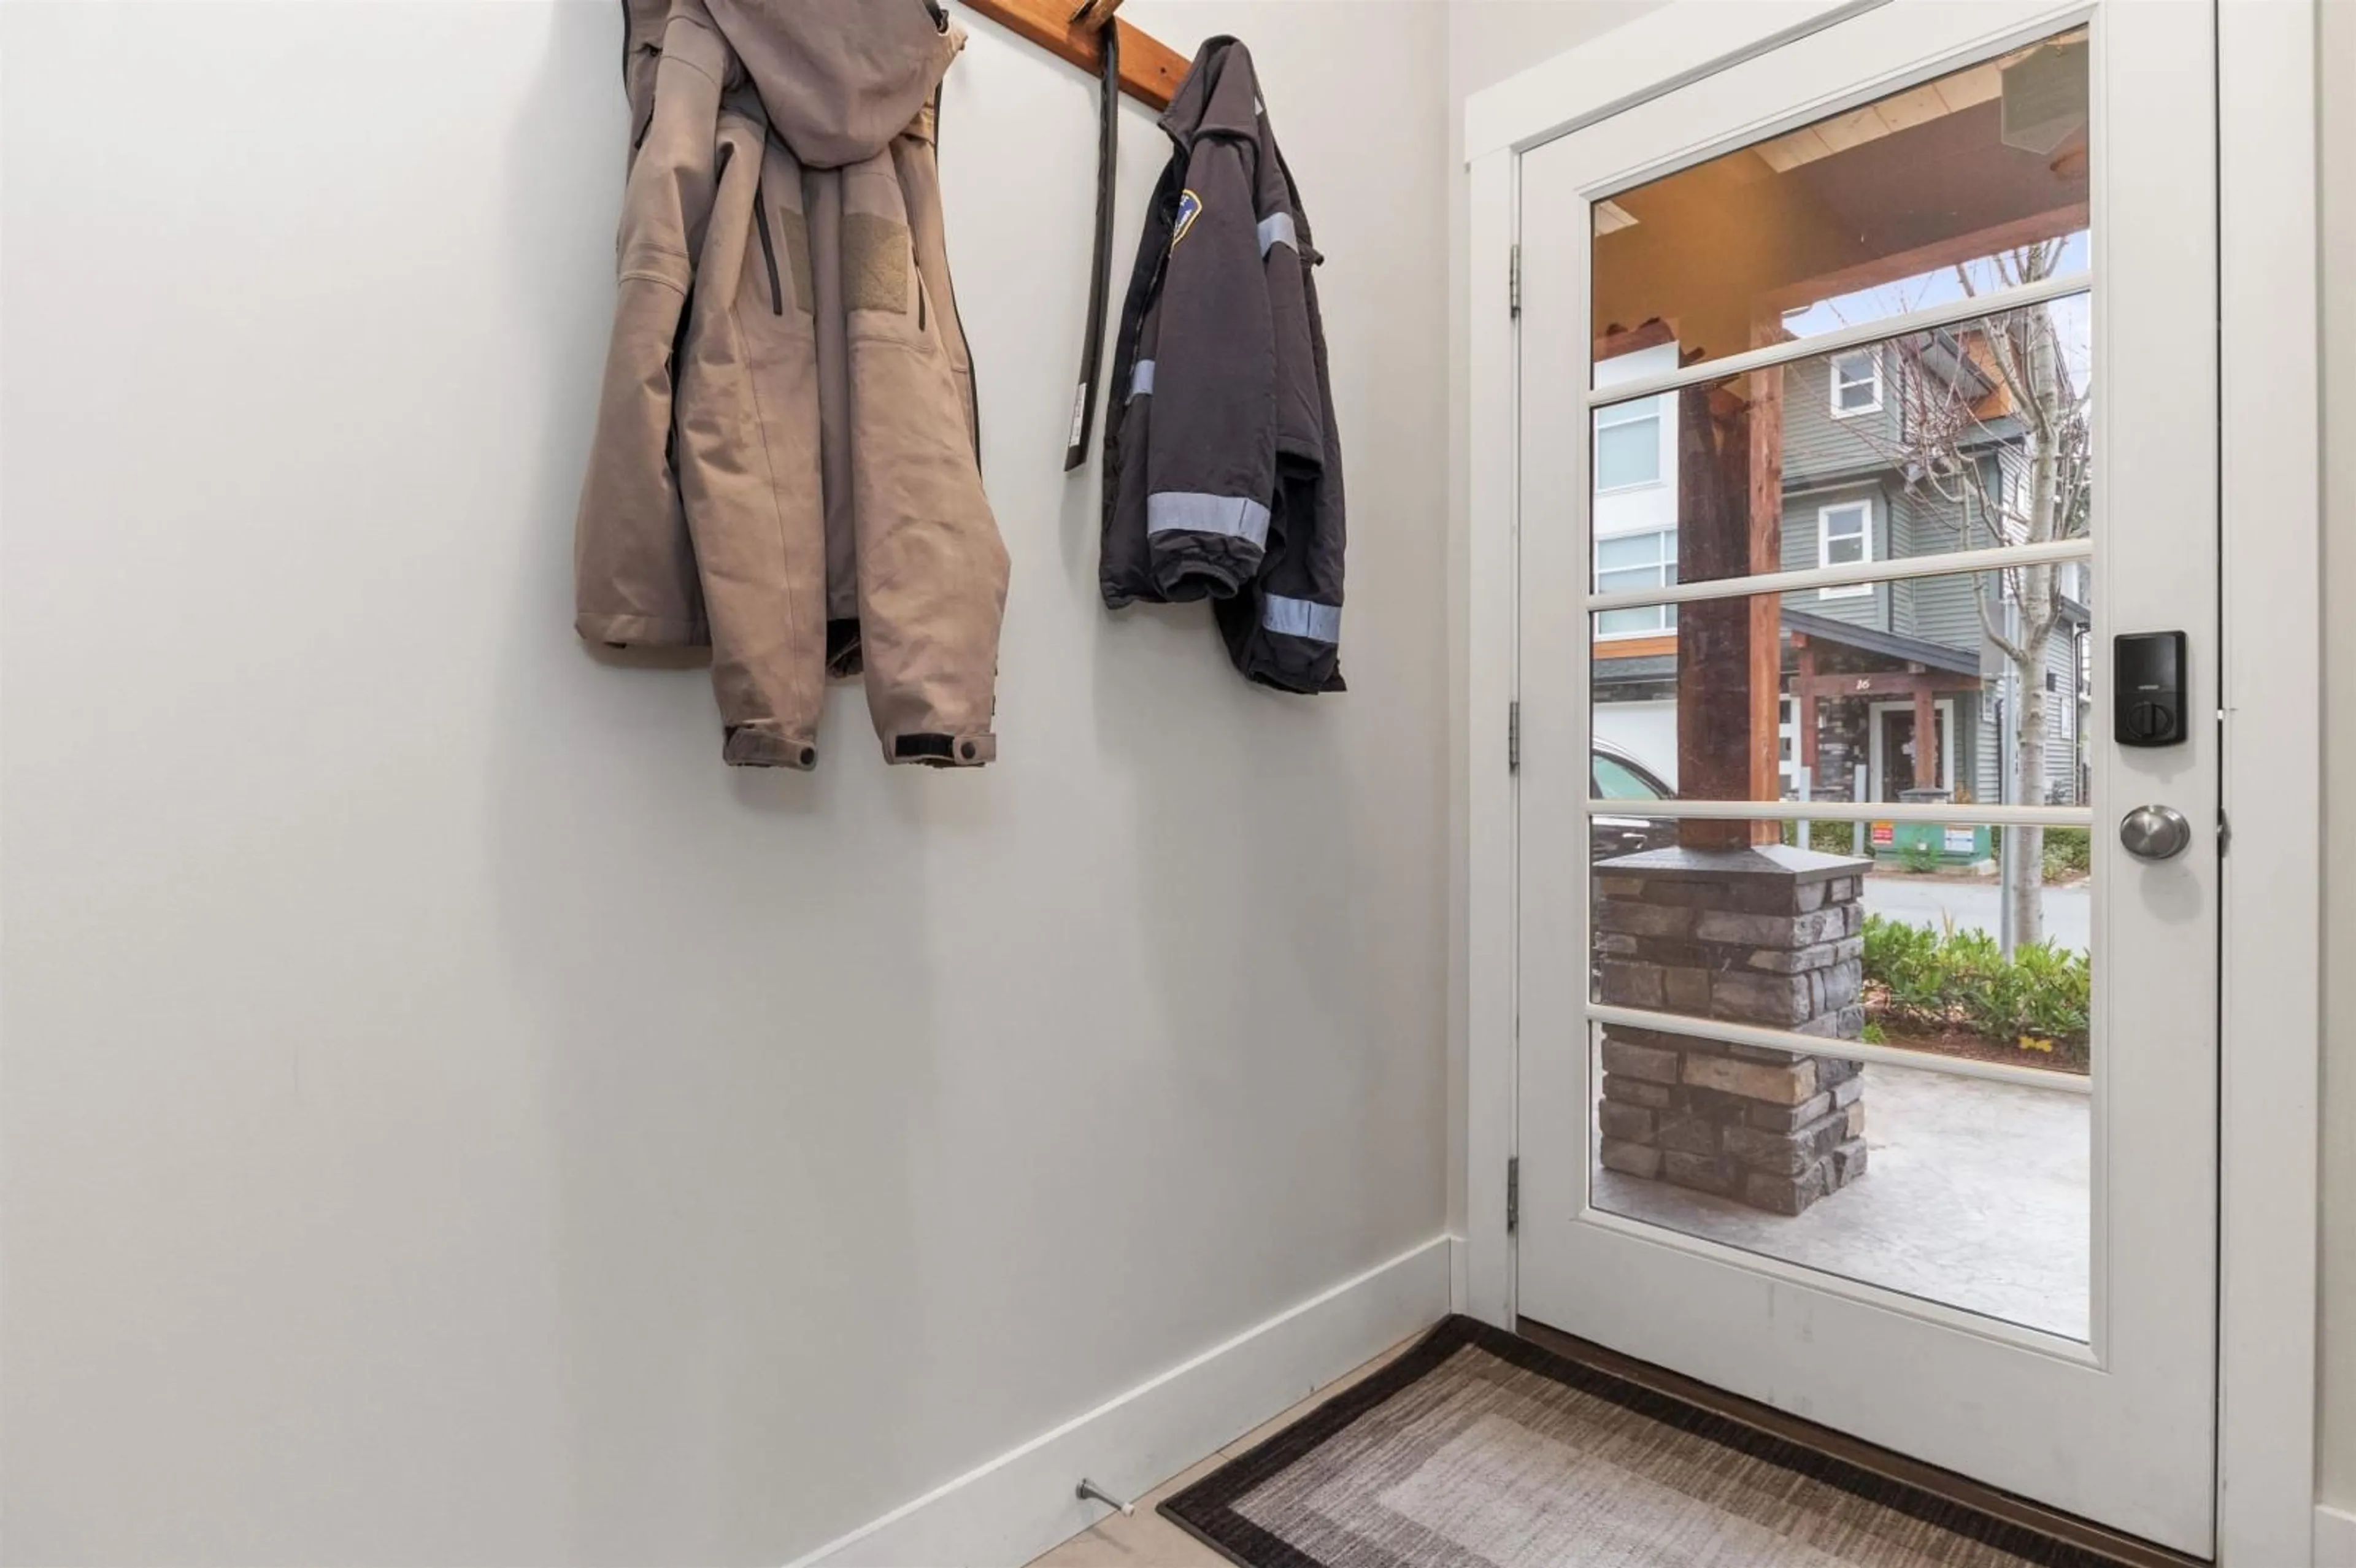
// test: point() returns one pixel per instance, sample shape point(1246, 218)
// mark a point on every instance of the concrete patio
point(1976, 1194)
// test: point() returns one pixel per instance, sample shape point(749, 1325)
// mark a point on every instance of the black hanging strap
point(1084, 401)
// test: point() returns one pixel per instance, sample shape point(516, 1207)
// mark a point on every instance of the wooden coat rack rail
point(1150, 69)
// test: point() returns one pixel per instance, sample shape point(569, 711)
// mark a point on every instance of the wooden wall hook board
point(1150, 69)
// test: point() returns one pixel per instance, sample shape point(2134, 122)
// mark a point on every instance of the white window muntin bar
point(1845, 1049)
point(1970, 307)
point(1949, 563)
point(1961, 814)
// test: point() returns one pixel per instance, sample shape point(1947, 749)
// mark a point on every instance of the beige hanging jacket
point(786, 460)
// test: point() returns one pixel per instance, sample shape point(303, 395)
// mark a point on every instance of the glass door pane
point(1944, 458)
point(1828, 958)
point(1970, 183)
point(1856, 1033)
point(1974, 1193)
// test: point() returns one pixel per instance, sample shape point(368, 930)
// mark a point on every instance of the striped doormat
point(1477, 1449)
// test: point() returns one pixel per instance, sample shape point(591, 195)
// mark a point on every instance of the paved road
point(1972, 906)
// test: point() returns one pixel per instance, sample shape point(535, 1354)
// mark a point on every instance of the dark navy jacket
point(1222, 472)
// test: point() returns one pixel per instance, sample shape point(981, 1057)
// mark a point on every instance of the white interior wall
point(2337, 94)
point(449, 1118)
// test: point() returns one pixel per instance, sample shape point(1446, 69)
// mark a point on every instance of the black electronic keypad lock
point(2148, 674)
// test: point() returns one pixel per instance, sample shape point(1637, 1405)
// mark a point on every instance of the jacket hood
point(1220, 96)
point(840, 78)
point(642, 26)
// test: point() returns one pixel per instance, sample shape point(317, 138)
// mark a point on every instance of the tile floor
point(1146, 1538)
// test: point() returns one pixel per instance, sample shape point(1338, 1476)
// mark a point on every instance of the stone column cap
point(1715, 865)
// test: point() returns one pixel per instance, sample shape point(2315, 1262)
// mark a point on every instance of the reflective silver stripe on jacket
point(1140, 380)
point(1191, 511)
point(1302, 618)
point(1277, 230)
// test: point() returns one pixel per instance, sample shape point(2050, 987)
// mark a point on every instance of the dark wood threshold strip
point(1962, 1489)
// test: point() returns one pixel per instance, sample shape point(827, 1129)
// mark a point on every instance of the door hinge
point(2224, 834)
point(1513, 281)
point(1514, 736)
point(1513, 1194)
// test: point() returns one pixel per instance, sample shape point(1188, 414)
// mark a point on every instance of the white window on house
point(1631, 562)
point(1628, 446)
point(1856, 383)
point(1845, 537)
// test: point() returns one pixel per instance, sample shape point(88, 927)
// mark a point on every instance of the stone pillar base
point(1765, 935)
point(1769, 1128)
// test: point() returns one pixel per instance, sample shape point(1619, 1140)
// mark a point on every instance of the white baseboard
point(1459, 1277)
point(1014, 1508)
point(2335, 1537)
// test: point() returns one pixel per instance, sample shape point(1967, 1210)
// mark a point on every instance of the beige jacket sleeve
point(634, 567)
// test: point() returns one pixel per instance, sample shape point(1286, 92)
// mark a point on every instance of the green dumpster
point(1938, 843)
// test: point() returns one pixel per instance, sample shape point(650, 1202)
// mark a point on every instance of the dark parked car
point(1619, 776)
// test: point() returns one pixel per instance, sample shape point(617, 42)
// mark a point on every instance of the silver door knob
point(2155, 832)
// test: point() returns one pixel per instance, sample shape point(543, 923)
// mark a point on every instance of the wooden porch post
point(1713, 635)
point(1803, 704)
point(1730, 660)
point(1926, 736)
point(1766, 427)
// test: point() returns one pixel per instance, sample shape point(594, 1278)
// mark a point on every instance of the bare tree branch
point(2021, 476)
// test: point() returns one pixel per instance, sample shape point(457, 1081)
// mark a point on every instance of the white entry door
point(1876, 376)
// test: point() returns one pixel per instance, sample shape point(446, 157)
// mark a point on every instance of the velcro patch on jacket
point(874, 263)
point(1190, 208)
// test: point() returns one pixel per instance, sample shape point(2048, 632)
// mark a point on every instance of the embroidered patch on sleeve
point(1190, 208)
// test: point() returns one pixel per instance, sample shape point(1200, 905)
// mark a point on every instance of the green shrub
point(1919, 858)
point(1903, 959)
point(1824, 837)
point(2049, 993)
point(2069, 852)
point(1960, 979)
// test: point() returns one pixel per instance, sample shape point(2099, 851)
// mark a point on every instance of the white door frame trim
point(1876, 761)
point(2270, 506)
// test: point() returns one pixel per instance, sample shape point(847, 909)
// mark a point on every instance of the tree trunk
point(2025, 846)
